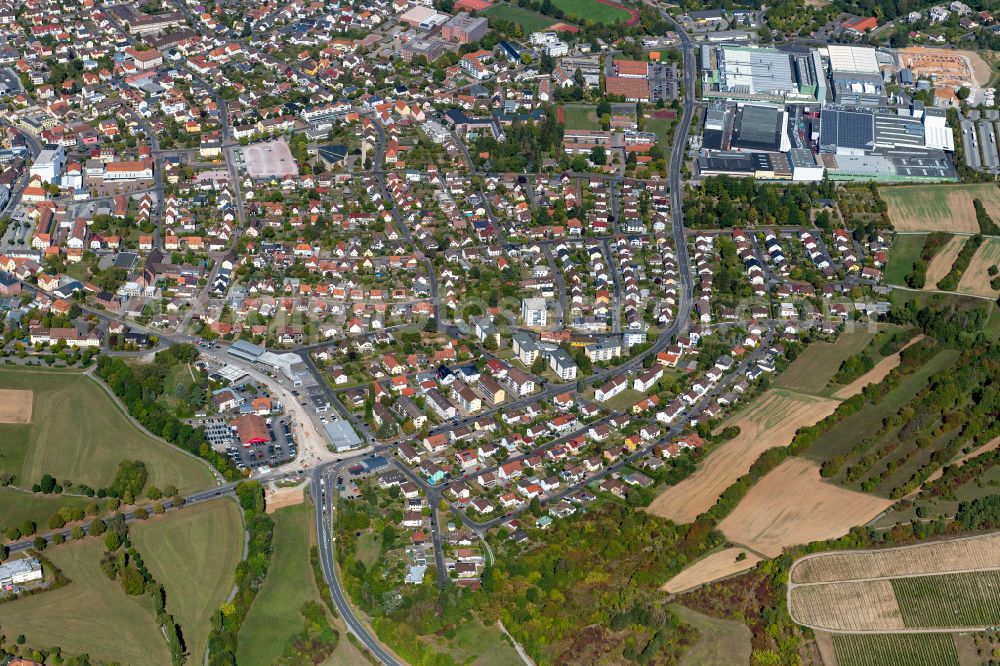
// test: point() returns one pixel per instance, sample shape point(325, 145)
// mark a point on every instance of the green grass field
point(581, 117)
point(79, 433)
point(15, 438)
point(905, 250)
point(274, 616)
point(592, 11)
point(811, 371)
point(839, 439)
point(17, 506)
point(949, 600)
point(530, 21)
point(478, 644)
point(193, 553)
point(895, 650)
point(720, 642)
point(90, 615)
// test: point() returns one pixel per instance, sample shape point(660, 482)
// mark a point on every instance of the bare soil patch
point(15, 406)
point(793, 505)
point(711, 567)
point(279, 498)
point(770, 420)
point(875, 375)
point(868, 605)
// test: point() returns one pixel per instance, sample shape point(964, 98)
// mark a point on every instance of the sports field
point(592, 10)
point(976, 279)
point(792, 505)
point(78, 433)
point(939, 207)
point(811, 370)
point(90, 615)
point(895, 650)
point(905, 250)
point(581, 117)
point(15, 406)
point(530, 21)
point(770, 420)
point(193, 553)
point(274, 616)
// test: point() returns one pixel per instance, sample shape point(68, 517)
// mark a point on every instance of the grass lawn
point(592, 11)
point(274, 616)
point(368, 548)
point(90, 615)
point(17, 506)
point(812, 369)
point(905, 250)
point(721, 642)
point(581, 117)
point(179, 378)
point(839, 439)
point(661, 126)
point(79, 433)
point(623, 401)
point(193, 553)
point(530, 21)
point(478, 644)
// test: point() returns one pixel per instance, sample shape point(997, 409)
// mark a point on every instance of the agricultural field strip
point(941, 557)
point(881, 610)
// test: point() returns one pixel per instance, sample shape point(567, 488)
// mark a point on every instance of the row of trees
point(140, 387)
point(250, 576)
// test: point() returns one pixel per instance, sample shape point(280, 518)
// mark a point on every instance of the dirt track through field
point(769, 421)
point(875, 375)
point(712, 567)
point(792, 505)
point(976, 279)
point(15, 406)
point(941, 262)
point(985, 448)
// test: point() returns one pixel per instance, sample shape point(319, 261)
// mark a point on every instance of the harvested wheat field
point(711, 567)
point(770, 420)
point(976, 552)
point(976, 279)
point(792, 505)
point(942, 261)
point(875, 375)
point(15, 406)
point(939, 207)
point(868, 605)
point(279, 498)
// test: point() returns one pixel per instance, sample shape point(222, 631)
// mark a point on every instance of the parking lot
point(280, 450)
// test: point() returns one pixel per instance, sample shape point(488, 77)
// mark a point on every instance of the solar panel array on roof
point(846, 129)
